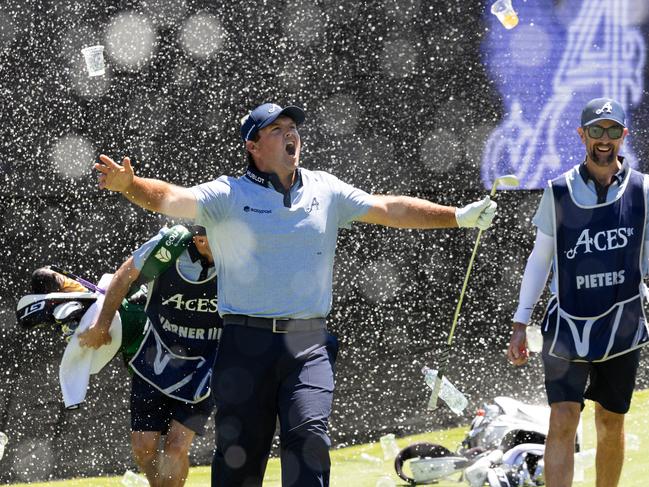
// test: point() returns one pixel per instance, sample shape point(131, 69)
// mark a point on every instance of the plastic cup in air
point(94, 56)
point(505, 12)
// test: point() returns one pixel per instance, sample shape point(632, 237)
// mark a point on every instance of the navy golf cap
point(602, 109)
point(197, 230)
point(264, 115)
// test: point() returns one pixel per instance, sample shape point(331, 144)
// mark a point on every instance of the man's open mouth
point(290, 149)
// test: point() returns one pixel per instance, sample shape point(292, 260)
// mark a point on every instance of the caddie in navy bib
point(183, 328)
point(597, 312)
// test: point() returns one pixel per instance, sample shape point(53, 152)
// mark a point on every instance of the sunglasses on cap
point(597, 131)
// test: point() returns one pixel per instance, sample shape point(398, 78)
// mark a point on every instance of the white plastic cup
point(389, 446)
point(4, 439)
point(94, 56)
point(632, 442)
point(534, 338)
point(505, 13)
point(583, 461)
point(131, 479)
point(385, 481)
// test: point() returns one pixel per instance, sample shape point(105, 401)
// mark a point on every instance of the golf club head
point(510, 180)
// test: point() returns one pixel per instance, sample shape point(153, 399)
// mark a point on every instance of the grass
point(363, 465)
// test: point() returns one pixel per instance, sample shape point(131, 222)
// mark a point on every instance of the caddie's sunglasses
point(596, 131)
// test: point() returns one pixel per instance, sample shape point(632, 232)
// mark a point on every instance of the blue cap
point(602, 109)
point(264, 115)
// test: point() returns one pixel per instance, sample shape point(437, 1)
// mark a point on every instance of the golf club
point(80, 280)
point(507, 180)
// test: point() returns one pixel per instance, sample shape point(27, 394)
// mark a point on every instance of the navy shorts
point(610, 383)
point(151, 410)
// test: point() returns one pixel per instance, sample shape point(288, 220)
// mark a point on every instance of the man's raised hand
point(112, 176)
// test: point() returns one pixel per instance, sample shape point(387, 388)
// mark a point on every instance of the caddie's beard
point(602, 159)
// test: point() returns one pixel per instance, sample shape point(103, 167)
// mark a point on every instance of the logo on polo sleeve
point(163, 255)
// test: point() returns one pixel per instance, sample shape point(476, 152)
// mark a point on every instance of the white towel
point(79, 362)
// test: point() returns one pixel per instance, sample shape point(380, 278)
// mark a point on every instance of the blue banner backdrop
point(561, 54)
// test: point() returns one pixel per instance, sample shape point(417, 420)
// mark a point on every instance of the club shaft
point(79, 279)
point(432, 402)
point(466, 276)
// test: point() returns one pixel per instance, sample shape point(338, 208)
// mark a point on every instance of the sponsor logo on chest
point(615, 238)
point(249, 209)
point(202, 305)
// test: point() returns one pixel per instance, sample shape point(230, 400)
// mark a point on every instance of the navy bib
point(598, 311)
point(179, 348)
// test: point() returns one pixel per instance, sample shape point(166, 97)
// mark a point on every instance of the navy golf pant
point(260, 376)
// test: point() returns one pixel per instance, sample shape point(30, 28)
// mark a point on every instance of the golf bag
point(62, 310)
point(503, 448)
point(508, 423)
point(65, 310)
point(429, 462)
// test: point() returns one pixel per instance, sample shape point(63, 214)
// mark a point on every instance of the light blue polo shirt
point(584, 194)
point(274, 252)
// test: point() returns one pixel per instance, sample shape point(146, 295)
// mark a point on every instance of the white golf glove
point(478, 214)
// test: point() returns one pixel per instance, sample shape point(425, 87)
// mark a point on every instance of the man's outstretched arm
point(408, 212)
point(150, 194)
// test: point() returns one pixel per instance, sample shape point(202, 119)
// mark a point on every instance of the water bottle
point(389, 446)
point(453, 398)
point(4, 439)
point(131, 479)
point(534, 338)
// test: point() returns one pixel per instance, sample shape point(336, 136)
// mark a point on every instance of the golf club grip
point(441, 372)
point(80, 280)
